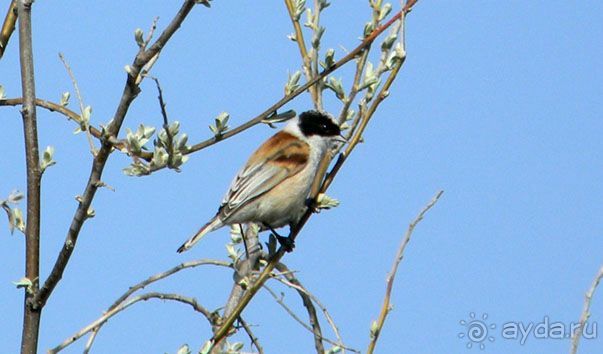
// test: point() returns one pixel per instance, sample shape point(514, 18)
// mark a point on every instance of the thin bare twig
point(585, 312)
point(130, 92)
point(385, 308)
point(313, 327)
point(254, 339)
point(85, 125)
point(97, 324)
point(166, 124)
point(301, 43)
point(292, 282)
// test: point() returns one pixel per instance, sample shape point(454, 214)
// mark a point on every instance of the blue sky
point(498, 104)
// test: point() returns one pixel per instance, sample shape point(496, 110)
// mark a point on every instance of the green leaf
point(204, 3)
point(206, 347)
point(86, 115)
point(65, 99)
point(336, 85)
point(184, 350)
point(47, 159)
point(2, 92)
point(384, 11)
point(19, 223)
point(292, 82)
point(14, 197)
point(325, 202)
point(138, 37)
point(23, 283)
point(334, 350)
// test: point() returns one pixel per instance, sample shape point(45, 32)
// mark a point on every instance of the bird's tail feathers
point(209, 227)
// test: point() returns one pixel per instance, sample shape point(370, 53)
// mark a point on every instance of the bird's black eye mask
point(317, 123)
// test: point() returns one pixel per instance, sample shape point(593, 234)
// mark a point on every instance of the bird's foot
point(287, 242)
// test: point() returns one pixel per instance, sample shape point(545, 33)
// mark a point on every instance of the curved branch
point(165, 274)
point(97, 324)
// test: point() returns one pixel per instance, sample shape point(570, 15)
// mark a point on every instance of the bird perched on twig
point(272, 188)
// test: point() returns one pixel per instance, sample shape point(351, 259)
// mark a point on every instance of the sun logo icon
point(476, 331)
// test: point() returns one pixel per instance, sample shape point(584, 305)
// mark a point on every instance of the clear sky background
point(499, 104)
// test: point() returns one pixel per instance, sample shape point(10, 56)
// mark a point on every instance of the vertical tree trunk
point(31, 317)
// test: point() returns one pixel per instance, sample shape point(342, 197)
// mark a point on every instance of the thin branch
point(254, 339)
point(585, 312)
point(292, 282)
point(31, 315)
point(8, 27)
point(97, 324)
point(166, 124)
point(243, 271)
point(130, 92)
point(149, 281)
point(385, 308)
point(313, 327)
point(165, 274)
point(71, 115)
point(85, 125)
point(301, 43)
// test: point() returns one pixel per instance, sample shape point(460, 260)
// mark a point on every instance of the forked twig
point(385, 308)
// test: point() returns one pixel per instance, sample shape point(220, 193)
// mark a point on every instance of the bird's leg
point(287, 242)
point(244, 240)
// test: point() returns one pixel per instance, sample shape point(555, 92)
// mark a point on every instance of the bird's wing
point(264, 171)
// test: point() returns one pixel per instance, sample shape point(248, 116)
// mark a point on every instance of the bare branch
point(130, 92)
point(313, 327)
point(165, 274)
point(97, 324)
point(8, 27)
point(385, 308)
point(585, 312)
point(254, 340)
point(71, 115)
point(31, 318)
point(292, 282)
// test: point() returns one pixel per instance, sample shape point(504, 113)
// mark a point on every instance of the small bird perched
point(272, 188)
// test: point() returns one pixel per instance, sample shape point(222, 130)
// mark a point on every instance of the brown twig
point(292, 282)
point(254, 339)
point(31, 317)
point(313, 327)
point(585, 312)
point(71, 115)
point(385, 308)
point(130, 92)
point(8, 27)
point(97, 324)
point(301, 43)
point(166, 124)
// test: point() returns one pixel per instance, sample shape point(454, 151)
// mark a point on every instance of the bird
point(272, 188)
